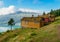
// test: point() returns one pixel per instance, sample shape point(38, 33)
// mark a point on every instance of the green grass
point(48, 33)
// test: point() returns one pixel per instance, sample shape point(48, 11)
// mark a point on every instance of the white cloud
point(29, 10)
point(7, 10)
point(1, 3)
point(12, 9)
point(3, 29)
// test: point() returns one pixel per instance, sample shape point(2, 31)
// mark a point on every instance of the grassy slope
point(49, 33)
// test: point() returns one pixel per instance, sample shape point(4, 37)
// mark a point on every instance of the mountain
point(16, 16)
point(48, 33)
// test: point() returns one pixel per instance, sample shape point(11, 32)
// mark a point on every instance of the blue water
point(5, 27)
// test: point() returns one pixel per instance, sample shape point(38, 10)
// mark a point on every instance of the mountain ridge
point(16, 16)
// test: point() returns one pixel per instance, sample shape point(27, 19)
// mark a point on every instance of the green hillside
point(49, 33)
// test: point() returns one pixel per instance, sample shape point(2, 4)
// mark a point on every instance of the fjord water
point(5, 27)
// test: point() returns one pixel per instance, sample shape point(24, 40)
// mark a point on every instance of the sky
point(10, 6)
point(38, 6)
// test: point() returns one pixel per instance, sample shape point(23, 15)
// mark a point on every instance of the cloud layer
point(12, 9)
point(29, 10)
point(7, 10)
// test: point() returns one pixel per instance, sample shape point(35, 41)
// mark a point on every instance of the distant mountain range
point(16, 16)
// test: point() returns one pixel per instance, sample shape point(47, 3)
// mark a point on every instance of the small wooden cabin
point(32, 22)
point(48, 18)
point(52, 18)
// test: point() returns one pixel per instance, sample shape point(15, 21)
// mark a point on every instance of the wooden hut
point(32, 22)
point(52, 18)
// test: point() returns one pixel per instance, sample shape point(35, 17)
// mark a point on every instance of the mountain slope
point(49, 33)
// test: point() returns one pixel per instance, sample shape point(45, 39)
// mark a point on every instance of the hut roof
point(31, 19)
point(39, 18)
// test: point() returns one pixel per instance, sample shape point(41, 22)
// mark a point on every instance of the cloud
point(12, 9)
point(3, 29)
point(7, 10)
point(29, 10)
point(1, 3)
